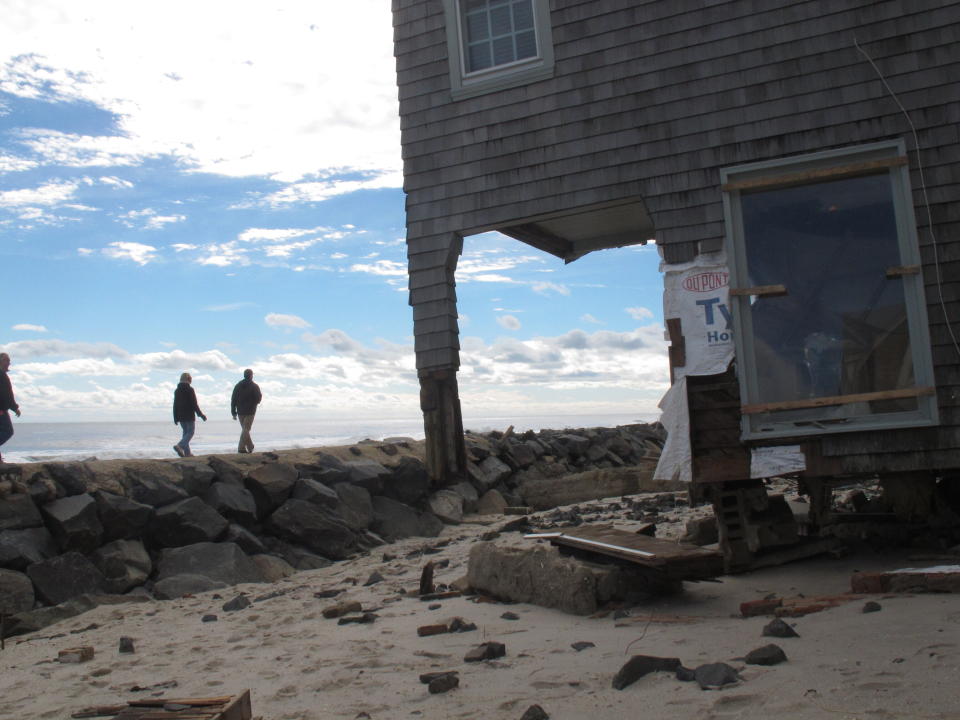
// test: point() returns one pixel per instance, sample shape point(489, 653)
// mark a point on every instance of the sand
point(901, 662)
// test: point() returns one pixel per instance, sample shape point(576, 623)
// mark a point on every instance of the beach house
point(796, 162)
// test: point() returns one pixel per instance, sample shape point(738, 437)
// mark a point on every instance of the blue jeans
point(188, 428)
point(6, 427)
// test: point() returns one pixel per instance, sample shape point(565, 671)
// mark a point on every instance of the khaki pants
point(246, 442)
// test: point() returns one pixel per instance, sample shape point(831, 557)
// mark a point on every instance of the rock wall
point(73, 533)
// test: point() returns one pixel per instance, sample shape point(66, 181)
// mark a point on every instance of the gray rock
point(393, 520)
point(314, 527)
point(224, 562)
point(573, 445)
point(443, 683)
point(233, 502)
point(356, 506)
point(542, 576)
point(486, 651)
point(640, 665)
point(549, 492)
point(196, 476)
point(60, 578)
point(18, 512)
point(154, 489)
point(493, 471)
point(296, 556)
point(314, 491)
point(228, 471)
point(447, 505)
point(535, 712)
point(491, 503)
point(176, 586)
point(518, 454)
point(701, 531)
point(33, 620)
point(766, 655)
point(124, 563)
point(715, 675)
point(74, 522)
point(239, 602)
point(73, 477)
point(121, 517)
point(273, 568)
point(409, 481)
point(186, 522)
point(778, 628)
point(368, 474)
point(16, 593)
point(248, 542)
point(469, 494)
point(20, 548)
point(271, 485)
point(125, 645)
point(868, 607)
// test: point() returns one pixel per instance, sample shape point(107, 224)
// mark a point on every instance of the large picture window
point(496, 44)
point(828, 304)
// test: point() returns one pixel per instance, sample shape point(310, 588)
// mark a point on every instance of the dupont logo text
point(706, 282)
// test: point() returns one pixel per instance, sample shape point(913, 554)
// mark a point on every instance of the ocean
point(43, 442)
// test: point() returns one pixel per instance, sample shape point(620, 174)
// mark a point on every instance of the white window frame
point(499, 77)
point(768, 426)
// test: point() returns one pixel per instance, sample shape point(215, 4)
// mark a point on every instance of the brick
point(866, 583)
point(766, 606)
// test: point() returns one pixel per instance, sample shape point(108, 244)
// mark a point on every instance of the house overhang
point(571, 236)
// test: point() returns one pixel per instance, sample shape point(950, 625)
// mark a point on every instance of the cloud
point(326, 189)
point(148, 219)
point(228, 307)
point(509, 322)
point(588, 318)
point(63, 348)
point(285, 321)
point(137, 252)
point(545, 288)
point(639, 313)
point(381, 267)
point(51, 193)
point(30, 328)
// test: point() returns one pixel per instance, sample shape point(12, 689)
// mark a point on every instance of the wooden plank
point(836, 400)
point(760, 291)
point(902, 270)
point(807, 176)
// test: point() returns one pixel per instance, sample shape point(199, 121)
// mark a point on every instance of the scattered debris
point(715, 675)
point(341, 609)
point(443, 683)
point(75, 655)
point(871, 606)
point(510, 616)
point(640, 665)
point(227, 707)
point(426, 579)
point(364, 619)
point(939, 579)
point(779, 629)
point(535, 712)
point(582, 645)
point(766, 606)
point(209, 618)
point(375, 577)
point(126, 645)
point(238, 603)
point(766, 655)
point(486, 651)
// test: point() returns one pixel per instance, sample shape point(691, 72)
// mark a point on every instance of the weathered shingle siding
point(650, 99)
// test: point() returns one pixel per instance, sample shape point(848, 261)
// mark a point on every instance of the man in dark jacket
point(7, 402)
point(243, 406)
point(185, 412)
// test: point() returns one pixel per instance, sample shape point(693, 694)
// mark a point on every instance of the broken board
point(675, 560)
point(228, 707)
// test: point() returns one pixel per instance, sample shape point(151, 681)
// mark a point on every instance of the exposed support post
point(443, 425)
point(432, 262)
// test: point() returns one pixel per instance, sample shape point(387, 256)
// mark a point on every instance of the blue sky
point(205, 187)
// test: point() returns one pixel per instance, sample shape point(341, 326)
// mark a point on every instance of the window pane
point(471, 5)
point(477, 27)
point(503, 50)
point(526, 45)
point(500, 20)
point(478, 57)
point(523, 15)
point(842, 327)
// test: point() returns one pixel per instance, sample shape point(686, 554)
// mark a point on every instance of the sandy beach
point(900, 662)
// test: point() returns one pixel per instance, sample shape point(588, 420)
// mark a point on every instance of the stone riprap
point(76, 533)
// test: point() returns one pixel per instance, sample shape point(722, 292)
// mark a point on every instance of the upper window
point(828, 301)
point(496, 44)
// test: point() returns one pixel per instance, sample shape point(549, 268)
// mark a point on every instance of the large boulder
point(518, 454)
point(314, 527)
point(490, 473)
point(393, 520)
point(356, 507)
point(21, 548)
point(296, 556)
point(185, 523)
point(491, 503)
point(409, 481)
point(196, 476)
point(446, 505)
point(368, 474)
point(273, 568)
point(248, 542)
point(233, 502)
point(542, 576)
point(18, 512)
point(74, 522)
point(16, 592)
point(73, 478)
point(228, 471)
point(176, 586)
point(271, 485)
point(33, 620)
point(326, 468)
point(60, 578)
point(121, 517)
point(315, 492)
point(124, 563)
point(469, 494)
point(155, 489)
point(224, 562)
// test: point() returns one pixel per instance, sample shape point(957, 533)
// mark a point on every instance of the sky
point(210, 186)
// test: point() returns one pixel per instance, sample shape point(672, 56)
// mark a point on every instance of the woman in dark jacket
point(185, 412)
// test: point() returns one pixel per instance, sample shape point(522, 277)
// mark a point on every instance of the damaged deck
point(228, 707)
point(674, 560)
